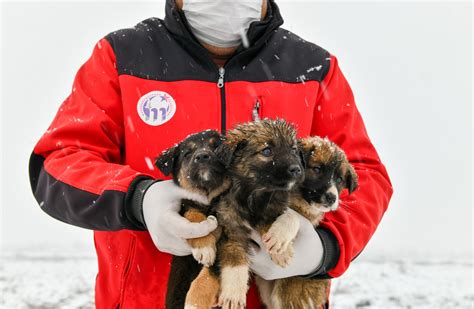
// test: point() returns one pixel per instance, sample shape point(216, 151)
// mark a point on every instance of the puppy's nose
point(330, 198)
point(295, 170)
point(202, 157)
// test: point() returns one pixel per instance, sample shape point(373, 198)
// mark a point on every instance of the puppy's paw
point(281, 233)
point(277, 239)
point(205, 255)
point(232, 298)
point(233, 301)
point(283, 259)
point(234, 286)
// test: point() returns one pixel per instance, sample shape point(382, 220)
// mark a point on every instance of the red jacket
point(145, 89)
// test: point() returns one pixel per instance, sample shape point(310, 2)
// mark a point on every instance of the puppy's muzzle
point(294, 170)
point(202, 156)
point(329, 198)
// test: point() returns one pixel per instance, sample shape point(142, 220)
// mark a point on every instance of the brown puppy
point(194, 167)
point(327, 173)
point(263, 163)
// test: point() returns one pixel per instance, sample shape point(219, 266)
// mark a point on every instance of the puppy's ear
point(302, 158)
point(226, 151)
point(351, 178)
point(303, 155)
point(167, 160)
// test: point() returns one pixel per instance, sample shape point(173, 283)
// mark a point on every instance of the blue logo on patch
point(156, 107)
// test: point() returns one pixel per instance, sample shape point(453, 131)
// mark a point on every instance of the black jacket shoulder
point(287, 57)
point(149, 51)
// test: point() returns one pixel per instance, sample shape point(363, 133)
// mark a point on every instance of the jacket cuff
point(330, 255)
point(134, 200)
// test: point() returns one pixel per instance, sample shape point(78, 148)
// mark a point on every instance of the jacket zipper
point(220, 85)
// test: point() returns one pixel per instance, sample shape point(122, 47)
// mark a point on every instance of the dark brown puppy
point(263, 162)
point(327, 173)
point(194, 167)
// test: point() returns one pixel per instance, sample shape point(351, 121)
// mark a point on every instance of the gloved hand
point(308, 254)
point(167, 228)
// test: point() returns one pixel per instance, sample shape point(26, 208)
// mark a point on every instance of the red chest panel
point(198, 107)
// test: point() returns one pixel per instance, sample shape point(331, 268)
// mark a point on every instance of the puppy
point(262, 161)
point(194, 167)
point(327, 173)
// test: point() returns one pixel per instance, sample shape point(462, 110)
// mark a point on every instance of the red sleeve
point(353, 224)
point(76, 169)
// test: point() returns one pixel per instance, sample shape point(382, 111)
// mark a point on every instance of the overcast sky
point(409, 65)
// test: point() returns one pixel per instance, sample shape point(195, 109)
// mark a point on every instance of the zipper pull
point(220, 81)
point(255, 111)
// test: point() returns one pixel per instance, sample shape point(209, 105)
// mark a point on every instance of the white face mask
point(221, 23)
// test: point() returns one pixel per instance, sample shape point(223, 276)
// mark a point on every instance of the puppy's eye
point(266, 152)
point(294, 150)
point(317, 169)
point(187, 154)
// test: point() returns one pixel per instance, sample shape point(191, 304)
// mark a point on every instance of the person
point(207, 65)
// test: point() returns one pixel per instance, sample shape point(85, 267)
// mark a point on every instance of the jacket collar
point(259, 32)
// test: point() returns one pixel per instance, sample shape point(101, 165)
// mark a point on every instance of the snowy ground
point(405, 284)
point(47, 281)
point(66, 281)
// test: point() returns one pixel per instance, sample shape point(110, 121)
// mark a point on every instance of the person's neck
point(220, 61)
point(219, 54)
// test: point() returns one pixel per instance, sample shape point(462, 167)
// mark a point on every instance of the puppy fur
point(327, 173)
point(262, 161)
point(196, 168)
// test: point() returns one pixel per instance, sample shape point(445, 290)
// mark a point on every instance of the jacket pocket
point(126, 270)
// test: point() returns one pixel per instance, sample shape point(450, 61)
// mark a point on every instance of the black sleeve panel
point(106, 212)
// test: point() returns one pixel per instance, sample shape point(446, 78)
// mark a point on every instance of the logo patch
point(156, 107)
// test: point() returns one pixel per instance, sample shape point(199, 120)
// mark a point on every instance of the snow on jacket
point(145, 89)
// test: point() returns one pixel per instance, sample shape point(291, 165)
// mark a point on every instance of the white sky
point(409, 65)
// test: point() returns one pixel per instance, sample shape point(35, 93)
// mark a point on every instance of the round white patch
point(156, 107)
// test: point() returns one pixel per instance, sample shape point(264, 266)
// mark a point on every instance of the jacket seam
point(227, 82)
point(126, 271)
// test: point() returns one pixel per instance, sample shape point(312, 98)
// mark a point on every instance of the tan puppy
point(327, 173)
point(263, 163)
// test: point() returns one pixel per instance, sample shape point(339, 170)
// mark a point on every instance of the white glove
point(167, 228)
point(308, 255)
